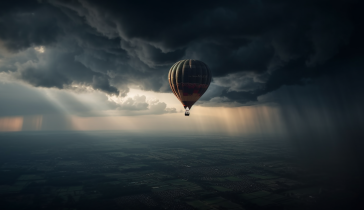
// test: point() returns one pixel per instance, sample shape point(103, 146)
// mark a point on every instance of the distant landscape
point(70, 170)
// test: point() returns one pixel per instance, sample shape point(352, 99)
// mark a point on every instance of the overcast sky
point(278, 66)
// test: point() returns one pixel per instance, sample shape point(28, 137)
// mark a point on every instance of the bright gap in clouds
point(233, 121)
point(168, 98)
point(203, 120)
point(39, 49)
point(30, 108)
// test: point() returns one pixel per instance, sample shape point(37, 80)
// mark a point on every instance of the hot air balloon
point(189, 80)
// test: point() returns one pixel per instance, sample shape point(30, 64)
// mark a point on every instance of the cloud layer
point(251, 47)
point(21, 100)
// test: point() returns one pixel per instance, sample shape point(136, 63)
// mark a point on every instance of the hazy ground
point(106, 170)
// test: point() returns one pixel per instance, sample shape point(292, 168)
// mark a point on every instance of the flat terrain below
point(63, 170)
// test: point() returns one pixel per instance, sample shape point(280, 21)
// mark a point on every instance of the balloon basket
point(187, 112)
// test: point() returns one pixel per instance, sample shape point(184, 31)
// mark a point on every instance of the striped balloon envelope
point(189, 80)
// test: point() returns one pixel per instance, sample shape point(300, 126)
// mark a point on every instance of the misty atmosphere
point(93, 100)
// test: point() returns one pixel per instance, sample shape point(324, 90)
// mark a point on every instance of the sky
point(279, 68)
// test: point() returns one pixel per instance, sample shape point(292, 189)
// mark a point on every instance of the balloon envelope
point(189, 80)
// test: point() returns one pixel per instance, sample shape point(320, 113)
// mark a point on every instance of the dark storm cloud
point(102, 83)
point(26, 23)
point(110, 45)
